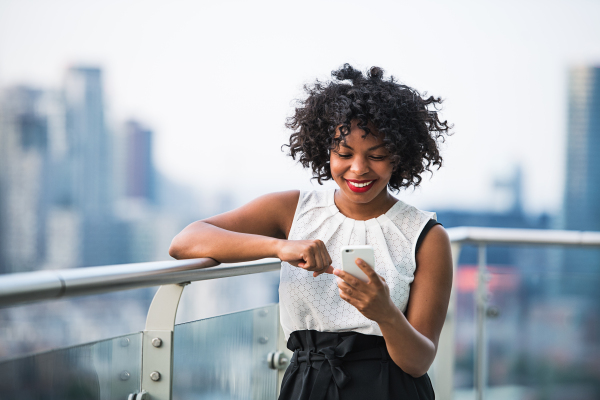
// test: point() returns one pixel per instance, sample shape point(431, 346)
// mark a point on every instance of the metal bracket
point(157, 343)
point(143, 395)
point(277, 360)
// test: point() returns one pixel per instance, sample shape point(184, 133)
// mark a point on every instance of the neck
point(364, 211)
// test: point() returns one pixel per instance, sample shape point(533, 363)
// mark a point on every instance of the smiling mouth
point(360, 186)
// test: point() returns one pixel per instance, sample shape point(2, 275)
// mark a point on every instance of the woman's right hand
point(311, 255)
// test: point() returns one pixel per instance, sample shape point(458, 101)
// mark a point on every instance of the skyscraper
point(23, 179)
point(139, 182)
point(103, 238)
point(88, 141)
point(582, 188)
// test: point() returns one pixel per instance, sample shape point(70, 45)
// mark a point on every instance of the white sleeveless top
point(306, 302)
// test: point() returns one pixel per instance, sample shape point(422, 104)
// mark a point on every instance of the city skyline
point(74, 190)
point(502, 74)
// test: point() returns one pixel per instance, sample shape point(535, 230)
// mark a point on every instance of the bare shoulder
point(270, 215)
point(436, 236)
point(430, 289)
point(434, 256)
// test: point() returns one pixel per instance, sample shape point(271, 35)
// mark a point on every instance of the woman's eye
point(377, 158)
point(344, 155)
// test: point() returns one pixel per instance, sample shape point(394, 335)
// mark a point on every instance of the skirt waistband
point(329, 350)
point(311, 340)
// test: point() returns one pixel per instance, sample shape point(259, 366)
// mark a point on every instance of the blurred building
point(140, 176)
point(581, 208)
point(582, 189)
point(76, 192)
point(103, 239)
point(23, 179)
point(88, 140)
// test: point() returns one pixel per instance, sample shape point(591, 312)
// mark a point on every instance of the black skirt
point(347, 366)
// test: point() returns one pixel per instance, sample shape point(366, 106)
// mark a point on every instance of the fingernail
point(336, 271)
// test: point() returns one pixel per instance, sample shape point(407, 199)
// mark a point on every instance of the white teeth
point(359, 185)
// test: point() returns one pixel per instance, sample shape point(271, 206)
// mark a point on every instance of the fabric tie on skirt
point(329, 363)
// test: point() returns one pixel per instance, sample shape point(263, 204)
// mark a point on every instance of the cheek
point(385, 171)
point(335, 167)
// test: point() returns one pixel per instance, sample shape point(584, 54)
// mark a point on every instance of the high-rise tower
point(582, 187)
point(23, 179)
point(89, 146)
point(139, 182)
point(102, 238)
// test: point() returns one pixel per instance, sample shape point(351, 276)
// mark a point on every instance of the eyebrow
point(369, 149)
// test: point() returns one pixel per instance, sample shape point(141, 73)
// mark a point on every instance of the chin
point(365, 197)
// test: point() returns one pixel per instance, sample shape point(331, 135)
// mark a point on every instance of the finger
point(348, 278)
point(316, 250)
point(367, 269)
point(328, 270)
point(309, 261)
point(323, 255)
point(344, 287)
point(346, 298)
point(327, 257)
point(326, 260)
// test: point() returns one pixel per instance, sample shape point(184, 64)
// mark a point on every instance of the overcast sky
point(216, 80)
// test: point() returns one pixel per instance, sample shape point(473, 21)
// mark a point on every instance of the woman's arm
point(411, 340)
point(256, 230)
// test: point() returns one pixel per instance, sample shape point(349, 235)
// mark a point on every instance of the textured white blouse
point(314, 303)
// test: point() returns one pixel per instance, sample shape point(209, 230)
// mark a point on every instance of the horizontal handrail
point(53, 284)
point(468, 234)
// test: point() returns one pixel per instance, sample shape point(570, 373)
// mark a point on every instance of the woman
point(351, 340)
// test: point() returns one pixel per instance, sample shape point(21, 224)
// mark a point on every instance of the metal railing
point(482, 237)
point(174, 275)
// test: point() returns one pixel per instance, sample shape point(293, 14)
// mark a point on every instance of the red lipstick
point(361, 189)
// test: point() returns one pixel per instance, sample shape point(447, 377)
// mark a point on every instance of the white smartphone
point(349, 256)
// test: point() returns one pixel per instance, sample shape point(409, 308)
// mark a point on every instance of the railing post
point(481, 299)
point(157, 343)
point(284, 354)
point(443, 366)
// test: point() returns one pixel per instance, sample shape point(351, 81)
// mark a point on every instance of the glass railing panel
point(39, 327)
point(106, 370)
point(225, 357)
point(206, 299)
point(541, 327)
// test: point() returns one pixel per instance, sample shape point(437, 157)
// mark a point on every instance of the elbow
point(416, 371)
point(175, 249)
point(182, 248)
point(417, 374)
point(416, 368)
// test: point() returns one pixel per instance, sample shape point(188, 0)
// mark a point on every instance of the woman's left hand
point(371, 298)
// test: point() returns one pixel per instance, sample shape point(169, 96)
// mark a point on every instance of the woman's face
point(361, 167)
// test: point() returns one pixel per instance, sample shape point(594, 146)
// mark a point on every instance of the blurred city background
point(122, 122)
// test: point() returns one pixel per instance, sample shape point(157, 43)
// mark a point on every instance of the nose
point(359, 166)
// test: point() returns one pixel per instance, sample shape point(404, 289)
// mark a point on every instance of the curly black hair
point(410, 128)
